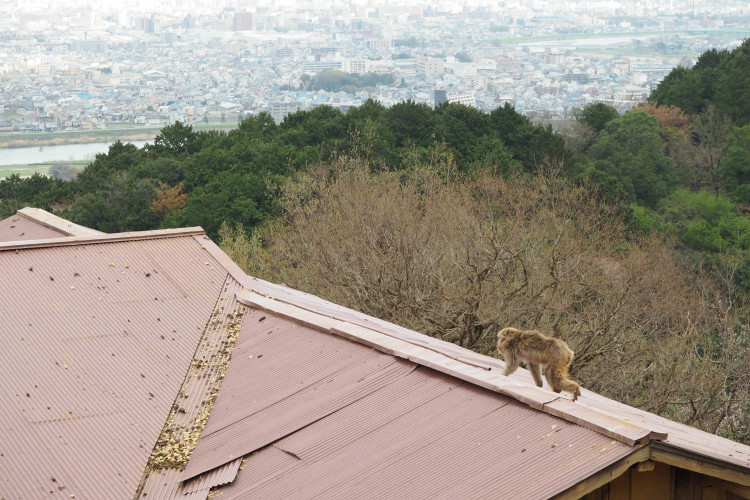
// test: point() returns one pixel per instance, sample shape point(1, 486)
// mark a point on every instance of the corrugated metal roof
point(319, 433)
point(113, 343)
point(197, 396)
point(427, 435)
point(298, 374)
point(222, 475)
point(96, 340)
point(590, 408)
point(535, 397)
point(164, 484)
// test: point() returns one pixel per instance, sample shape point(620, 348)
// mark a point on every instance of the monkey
point(538, 350)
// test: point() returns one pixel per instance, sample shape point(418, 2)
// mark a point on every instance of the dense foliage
point(719, 78)
point(332, 80)
point(628, 236)
point(231, 176)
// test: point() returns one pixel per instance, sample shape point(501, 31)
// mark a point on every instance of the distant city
point(77, 65)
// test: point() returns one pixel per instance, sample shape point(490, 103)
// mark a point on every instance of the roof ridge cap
point(55, 222)
point(101, 238)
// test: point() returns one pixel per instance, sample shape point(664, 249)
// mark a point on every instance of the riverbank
point(77, 137)
point(90, 136)
point(27, 170)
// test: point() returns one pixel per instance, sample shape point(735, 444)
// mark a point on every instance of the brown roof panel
point(163, 484)
point(96, 340)
point(428, 435)
point(299, 376)
point(224, 474)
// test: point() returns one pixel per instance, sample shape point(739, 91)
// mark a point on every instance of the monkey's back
point(534, 344)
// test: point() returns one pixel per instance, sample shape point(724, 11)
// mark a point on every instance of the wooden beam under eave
point(690, 461)
point(606, 475)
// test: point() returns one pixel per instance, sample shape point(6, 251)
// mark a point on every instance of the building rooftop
point(149, 365)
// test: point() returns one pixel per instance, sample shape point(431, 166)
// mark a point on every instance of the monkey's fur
point(537, 350)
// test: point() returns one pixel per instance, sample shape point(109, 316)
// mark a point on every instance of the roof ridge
point(52, 221)
point(102, 238)
point(535, 397)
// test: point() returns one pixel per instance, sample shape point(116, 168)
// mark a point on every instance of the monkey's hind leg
point(535, 370)
point(560, 381)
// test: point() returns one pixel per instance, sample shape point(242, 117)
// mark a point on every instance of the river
point(49, 154)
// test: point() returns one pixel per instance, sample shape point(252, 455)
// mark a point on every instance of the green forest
point(627, 236)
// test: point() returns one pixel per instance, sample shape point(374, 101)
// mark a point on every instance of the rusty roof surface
point(96, 341)
point(321, 416)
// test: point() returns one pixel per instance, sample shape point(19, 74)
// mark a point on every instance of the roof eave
point(605, 475)
point(733, 479)
point(678, 457)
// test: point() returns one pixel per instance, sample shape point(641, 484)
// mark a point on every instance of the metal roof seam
point(195, 399)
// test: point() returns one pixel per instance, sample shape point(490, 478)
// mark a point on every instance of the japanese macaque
point(538, 351)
